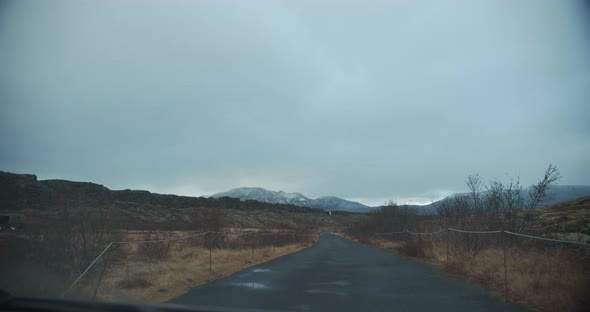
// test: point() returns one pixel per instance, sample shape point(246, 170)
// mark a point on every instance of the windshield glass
point(296, 155)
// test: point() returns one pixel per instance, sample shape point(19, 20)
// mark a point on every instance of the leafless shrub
point(69, 243)
point(64, 246)
point(209, 220)
point(413, 247)
point(156, 251)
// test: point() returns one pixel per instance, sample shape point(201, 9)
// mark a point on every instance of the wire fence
point(489, 232)
point(134, 258)
point(539, 257)
point(139, 261)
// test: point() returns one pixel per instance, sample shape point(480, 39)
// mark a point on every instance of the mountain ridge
point(331, 203)
point(561, 193)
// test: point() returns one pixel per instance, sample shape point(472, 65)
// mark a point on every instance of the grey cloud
point(382, 100)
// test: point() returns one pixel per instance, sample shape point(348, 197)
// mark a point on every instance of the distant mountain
point(338, 204)
point(263, 195)
point(559, 193)
point(567, 192)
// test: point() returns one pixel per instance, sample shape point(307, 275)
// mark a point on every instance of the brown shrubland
point(540, 275)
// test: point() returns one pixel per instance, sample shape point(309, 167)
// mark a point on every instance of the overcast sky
point(365, 100)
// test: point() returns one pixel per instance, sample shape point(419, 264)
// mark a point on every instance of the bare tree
point(494, 204)
point(539, 193)
point(209, 220)
point(454, 211)
point(501, 206)
point(474, 183)
point(87, 235)
point(514, 204)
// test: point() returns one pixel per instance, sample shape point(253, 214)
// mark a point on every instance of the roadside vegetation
point(147, 281)
point(540, 275)
point(135, 272)
point(148, 263)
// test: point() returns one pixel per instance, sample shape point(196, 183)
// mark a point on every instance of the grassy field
point(132, 278)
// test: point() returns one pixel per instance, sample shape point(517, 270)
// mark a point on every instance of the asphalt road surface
point(337, 274)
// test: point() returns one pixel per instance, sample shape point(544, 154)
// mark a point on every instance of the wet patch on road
point(337, 283)
point(326, 292)
point(250, 285)
point(261, 270)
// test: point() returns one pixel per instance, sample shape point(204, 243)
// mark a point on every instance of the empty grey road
point(337, 274)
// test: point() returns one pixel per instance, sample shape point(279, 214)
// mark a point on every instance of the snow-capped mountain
point(263, 195)
point(266, 196)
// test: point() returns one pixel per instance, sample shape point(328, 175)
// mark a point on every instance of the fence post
point(505, 274)
point(448, 243)
point(104, 266)
point(274, 242)
point(210, 252)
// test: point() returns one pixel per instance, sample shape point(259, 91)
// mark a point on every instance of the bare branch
point(539, 193)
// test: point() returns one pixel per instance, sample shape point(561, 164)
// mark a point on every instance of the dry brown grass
point(548, 283)
point(138, 281)
point(540, 282)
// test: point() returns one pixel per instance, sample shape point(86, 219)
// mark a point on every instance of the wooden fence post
point(210, 252)
point(505, 274)
point(274, 242)
point(448, 243)
point(103, 269)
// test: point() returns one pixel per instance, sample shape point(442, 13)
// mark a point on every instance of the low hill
point(568, 220)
